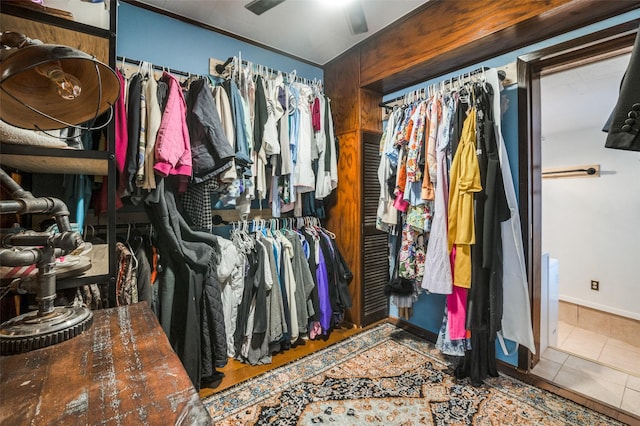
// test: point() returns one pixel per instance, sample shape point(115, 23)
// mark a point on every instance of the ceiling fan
point(355, 14)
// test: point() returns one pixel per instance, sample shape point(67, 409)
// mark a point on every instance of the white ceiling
point(581, 97)
point(312, 30)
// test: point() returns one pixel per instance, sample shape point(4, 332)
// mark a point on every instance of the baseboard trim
point(414, 329)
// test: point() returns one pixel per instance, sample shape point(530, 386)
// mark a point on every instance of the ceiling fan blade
point(357, 20)
point(261, 6)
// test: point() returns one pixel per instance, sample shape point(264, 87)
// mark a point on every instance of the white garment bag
point(516, 316)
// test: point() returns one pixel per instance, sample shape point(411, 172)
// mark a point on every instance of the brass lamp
point(46, 87)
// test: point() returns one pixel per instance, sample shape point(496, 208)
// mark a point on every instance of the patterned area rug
point(387, 376)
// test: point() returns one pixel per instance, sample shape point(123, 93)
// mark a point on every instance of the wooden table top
point(122, 371)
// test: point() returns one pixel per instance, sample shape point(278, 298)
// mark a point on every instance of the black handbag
point(398, 285)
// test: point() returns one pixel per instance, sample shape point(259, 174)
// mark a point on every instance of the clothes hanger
point(85, 235)
point(123, 70)
point(127, 243)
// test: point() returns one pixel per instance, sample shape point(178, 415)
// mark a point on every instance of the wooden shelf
point(50, 19)
point(55, 160)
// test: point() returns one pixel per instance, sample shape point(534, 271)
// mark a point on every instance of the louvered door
point(375, 249)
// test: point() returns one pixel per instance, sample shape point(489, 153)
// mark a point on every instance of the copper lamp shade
point(30, 100)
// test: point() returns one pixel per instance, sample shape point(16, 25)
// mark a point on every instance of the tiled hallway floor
point(595, 365)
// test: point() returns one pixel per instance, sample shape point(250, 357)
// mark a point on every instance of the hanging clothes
point(173, 146)
point(281, 301)
point(154, 117)
point(465, 180)
point(438, 276)
point(188, 261)
point(469, 219)
point(126, 287)
point(126, 185)
point(212, 154)
point(516, 317)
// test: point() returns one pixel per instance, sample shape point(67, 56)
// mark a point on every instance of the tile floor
point(595, 365)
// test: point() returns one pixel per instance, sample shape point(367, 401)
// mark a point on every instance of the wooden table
point(122, 371)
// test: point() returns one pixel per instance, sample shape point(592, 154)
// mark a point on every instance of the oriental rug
point(388, 376)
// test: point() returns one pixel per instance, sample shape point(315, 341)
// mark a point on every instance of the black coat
point(210, 148)
point(624, 125)
point(133, 132)
point(188, 259)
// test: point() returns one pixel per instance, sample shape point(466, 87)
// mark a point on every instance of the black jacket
point(624, 126)
point(210, 148)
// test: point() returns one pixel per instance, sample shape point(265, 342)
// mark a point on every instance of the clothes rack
point(274, 223)
point(154, 66)
point(421, 93)
point(221, 68)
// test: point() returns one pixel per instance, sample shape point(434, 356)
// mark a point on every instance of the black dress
point(484, 304)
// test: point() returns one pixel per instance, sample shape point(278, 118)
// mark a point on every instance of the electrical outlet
point(595, 285)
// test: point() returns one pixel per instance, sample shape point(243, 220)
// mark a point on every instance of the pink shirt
point(122, 137)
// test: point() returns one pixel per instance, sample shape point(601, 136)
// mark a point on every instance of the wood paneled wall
point(447, 35)
point(345, 217)
point(443, 36)
point(353, 109)
point(93, 45)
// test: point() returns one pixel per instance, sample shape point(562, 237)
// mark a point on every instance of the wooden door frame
point(530, 67)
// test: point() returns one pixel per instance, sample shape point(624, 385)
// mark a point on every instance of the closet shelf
point(41, 16)
point(55, 160)
point(99, 272)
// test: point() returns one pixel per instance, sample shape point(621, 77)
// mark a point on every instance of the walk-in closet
point(312, 211)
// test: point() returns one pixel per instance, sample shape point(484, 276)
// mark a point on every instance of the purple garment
point(323, 293)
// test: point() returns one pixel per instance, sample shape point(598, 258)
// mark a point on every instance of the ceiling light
point(335, 4)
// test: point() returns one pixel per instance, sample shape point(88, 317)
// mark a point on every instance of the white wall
point(592, 225)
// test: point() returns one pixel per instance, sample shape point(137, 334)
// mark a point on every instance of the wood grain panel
point(345, 216)
point(370, 111)
point(93, 45)
point(36, 164)
point(120, 371)
point(342, 79)
point(450, 35)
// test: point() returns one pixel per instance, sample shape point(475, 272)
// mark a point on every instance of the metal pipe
point(12, 186)
point(24, 202)
point(10, 257)
point(67, 241)
point(10, 206)
point(46, 294)
point(49, 245)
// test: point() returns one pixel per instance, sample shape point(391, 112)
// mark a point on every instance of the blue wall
point(161, 40)
point(428, 310)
